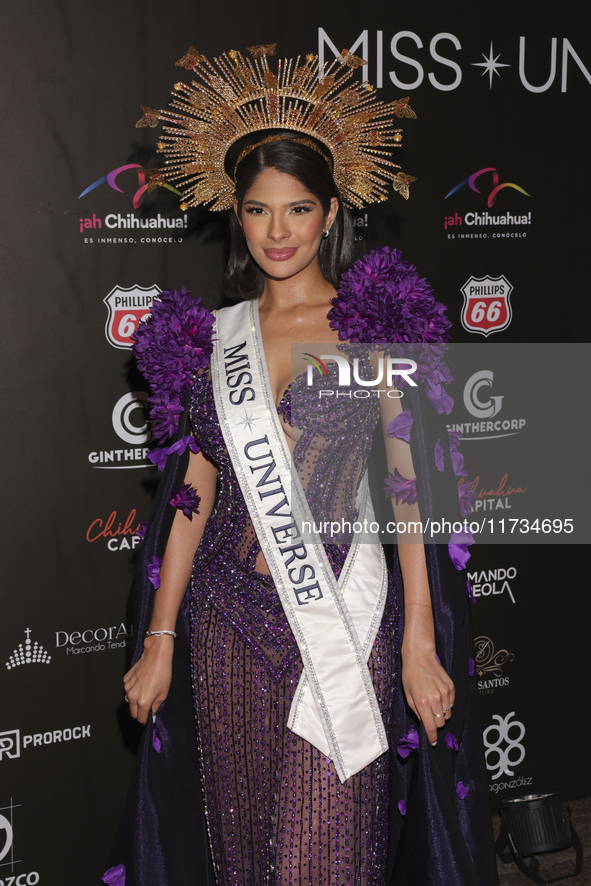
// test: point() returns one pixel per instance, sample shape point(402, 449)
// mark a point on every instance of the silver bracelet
point(160, 633)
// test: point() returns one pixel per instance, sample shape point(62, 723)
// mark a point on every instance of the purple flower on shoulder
point(466, 498)
point(164, 415)
point(451, 742)
point(409, 743)
point(115, 876)
point(141, 529)
point(383, 299)
point(400, 488)
point(401, 425)
point(158, 458)
point(439, 458)
point(471, 665)
point(462, 790)
point(187, 500)
point(458, 548)
point(156, 743)
point(154, 571)
point(402, 807)
point(470, 591)
point(174, 342)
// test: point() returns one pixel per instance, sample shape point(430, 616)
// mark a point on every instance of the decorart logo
point(27, 654)
point(489, 663)
point(94, 639)
point(475, 220)
point(130, 423)
point(126, 308)
point(486, 304)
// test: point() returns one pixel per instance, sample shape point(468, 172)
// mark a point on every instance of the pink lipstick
point(280, 254)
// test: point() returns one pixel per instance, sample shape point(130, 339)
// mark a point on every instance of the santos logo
point(411, 56)
point(130, 423)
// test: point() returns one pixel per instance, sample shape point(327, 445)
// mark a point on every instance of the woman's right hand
point(148, 681)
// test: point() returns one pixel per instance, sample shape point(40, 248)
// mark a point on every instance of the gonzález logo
point(503, 745)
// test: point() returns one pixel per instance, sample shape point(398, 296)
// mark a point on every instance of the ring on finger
point(439, 715)
point(448, 709)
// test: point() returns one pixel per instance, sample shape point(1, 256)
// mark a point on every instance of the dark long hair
point(243, 278)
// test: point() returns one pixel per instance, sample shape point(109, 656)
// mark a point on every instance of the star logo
point(490, 65)
point(248, 420)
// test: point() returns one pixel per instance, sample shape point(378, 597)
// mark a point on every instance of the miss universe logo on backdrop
point(401, 59)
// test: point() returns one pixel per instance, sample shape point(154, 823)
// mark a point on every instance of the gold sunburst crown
point(233, 97)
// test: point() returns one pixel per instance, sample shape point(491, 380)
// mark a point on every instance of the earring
point(325, 234)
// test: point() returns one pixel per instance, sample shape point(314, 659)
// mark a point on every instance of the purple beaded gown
point(276, 811)
point(223, 794)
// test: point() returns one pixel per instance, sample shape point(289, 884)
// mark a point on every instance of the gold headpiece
point(235, 97)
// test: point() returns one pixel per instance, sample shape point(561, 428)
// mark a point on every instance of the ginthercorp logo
point(126, 308)
point(483, 405)
point(488, 188)
point(489, 664)
point(389, 369)
point(504, 750)
point(154, 229)
point(28, 653)
point(12, 742)
point(486, 304)
point(130, 423)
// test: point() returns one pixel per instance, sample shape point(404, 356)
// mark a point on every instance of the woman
point(297, 782)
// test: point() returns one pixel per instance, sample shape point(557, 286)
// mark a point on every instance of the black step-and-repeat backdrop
point(497, 221)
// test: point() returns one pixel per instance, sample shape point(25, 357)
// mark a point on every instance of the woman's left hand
point(428, 689)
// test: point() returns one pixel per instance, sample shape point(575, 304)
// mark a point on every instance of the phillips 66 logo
point(502, 740)
point(126, 308)
point(486, 304)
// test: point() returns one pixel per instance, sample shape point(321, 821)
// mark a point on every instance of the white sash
point(334, 707)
